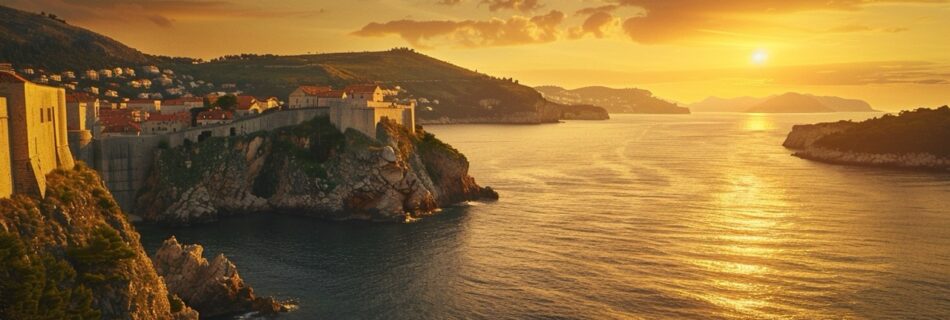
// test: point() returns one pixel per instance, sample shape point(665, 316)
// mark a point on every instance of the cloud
point(597, 24)
point(520, 5)
point(471, 33)
point(668, 20)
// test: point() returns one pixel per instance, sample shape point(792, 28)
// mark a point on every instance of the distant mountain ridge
point(42, 41)
point(790, 102)
point(628, 100)
point(446, 93)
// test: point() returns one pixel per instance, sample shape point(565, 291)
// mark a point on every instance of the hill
point(911, 139)
point(790, 103)
point(629, 100)
point(785, 103)
point(44, 41)
point(446, 93)
point(444, 90)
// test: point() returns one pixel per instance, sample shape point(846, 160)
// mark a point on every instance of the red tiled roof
point(123, 127)
point(178, 116)
point(182, 101)
point(361, 88)
point(7, 76)
point(331, 94)
point(149, 101)
point(245, 102)
point(314, 90)
point(80, 97)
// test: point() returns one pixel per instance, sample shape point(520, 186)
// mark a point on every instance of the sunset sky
point(895, 54)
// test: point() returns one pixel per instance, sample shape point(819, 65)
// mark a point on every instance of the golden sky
point(893, 53)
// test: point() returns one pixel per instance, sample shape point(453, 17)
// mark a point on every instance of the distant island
point(790, 102)
point(629, 100)
point(912, 139)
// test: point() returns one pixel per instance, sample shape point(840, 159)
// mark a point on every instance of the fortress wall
point(6, 175)
point(124, 162)
point(37, 134)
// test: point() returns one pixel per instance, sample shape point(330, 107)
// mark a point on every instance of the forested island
point(911, 139)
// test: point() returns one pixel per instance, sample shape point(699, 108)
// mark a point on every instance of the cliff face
point(310, 169)
point(213, 287)
point(912, 140)
point(74, 255)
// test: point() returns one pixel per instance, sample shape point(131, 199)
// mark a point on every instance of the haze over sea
point(698, 216)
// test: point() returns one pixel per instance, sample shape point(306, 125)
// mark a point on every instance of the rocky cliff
point(73, 255)
point(311, 169)
point(213, 287)
point(912, 140)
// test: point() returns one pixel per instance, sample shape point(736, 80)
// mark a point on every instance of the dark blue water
point(701, 216)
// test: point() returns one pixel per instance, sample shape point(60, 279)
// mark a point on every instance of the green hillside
point(44, 41)
point(461, 93)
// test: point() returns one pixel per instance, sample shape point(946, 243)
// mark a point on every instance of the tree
point(228, 102)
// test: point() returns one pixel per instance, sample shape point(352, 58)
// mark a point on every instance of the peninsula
point(912, 139)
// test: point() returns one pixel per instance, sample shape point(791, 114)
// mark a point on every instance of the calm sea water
point(701, 216)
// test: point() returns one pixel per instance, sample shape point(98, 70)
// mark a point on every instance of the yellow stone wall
point(38, 137)
point(6, 176)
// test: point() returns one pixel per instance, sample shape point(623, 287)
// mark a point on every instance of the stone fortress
point(34, 139)
point(42, 128)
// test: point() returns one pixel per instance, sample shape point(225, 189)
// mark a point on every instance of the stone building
point(364, 107)
point(6, 177)
point(37, 135)
point(306, 96)
point(82, 110)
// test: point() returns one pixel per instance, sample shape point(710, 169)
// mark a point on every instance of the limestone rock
point(213, 288)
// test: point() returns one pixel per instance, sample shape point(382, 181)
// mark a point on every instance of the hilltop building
point(37, 133)
point(307, 96)
point(166, 123)
point(6, 175)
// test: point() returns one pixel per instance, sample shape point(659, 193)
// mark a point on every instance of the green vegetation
point(919, 131)
point(43, 41)
point(228, 102)
point(36, 286)
point(459, 91)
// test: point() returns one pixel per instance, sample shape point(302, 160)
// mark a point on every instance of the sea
point(702, 216)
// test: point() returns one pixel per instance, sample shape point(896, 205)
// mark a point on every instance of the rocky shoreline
point(214, 288)
point(806, 141)
point(310, 170)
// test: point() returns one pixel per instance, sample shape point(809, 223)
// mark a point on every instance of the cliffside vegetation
point(310, 169)
point(73, 255)
point(918, 131)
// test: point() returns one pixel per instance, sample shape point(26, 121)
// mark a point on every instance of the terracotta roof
point(245, 102)
point(314, 90)
point(332, 94)
point(7, 76)
point(178, 116)
point(149, 101)
point(182, 101)
point(123, 127)
point(361, 88)
point(80, 97)
point(215, 114)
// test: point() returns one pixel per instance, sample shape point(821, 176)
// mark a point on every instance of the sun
point(760, 57)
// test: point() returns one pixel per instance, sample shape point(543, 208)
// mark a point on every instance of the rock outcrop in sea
point(911, 140)
point(74, 255)
point(313, 170)
point(214, 288)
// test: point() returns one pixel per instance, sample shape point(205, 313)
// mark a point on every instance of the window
point(49, 114)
